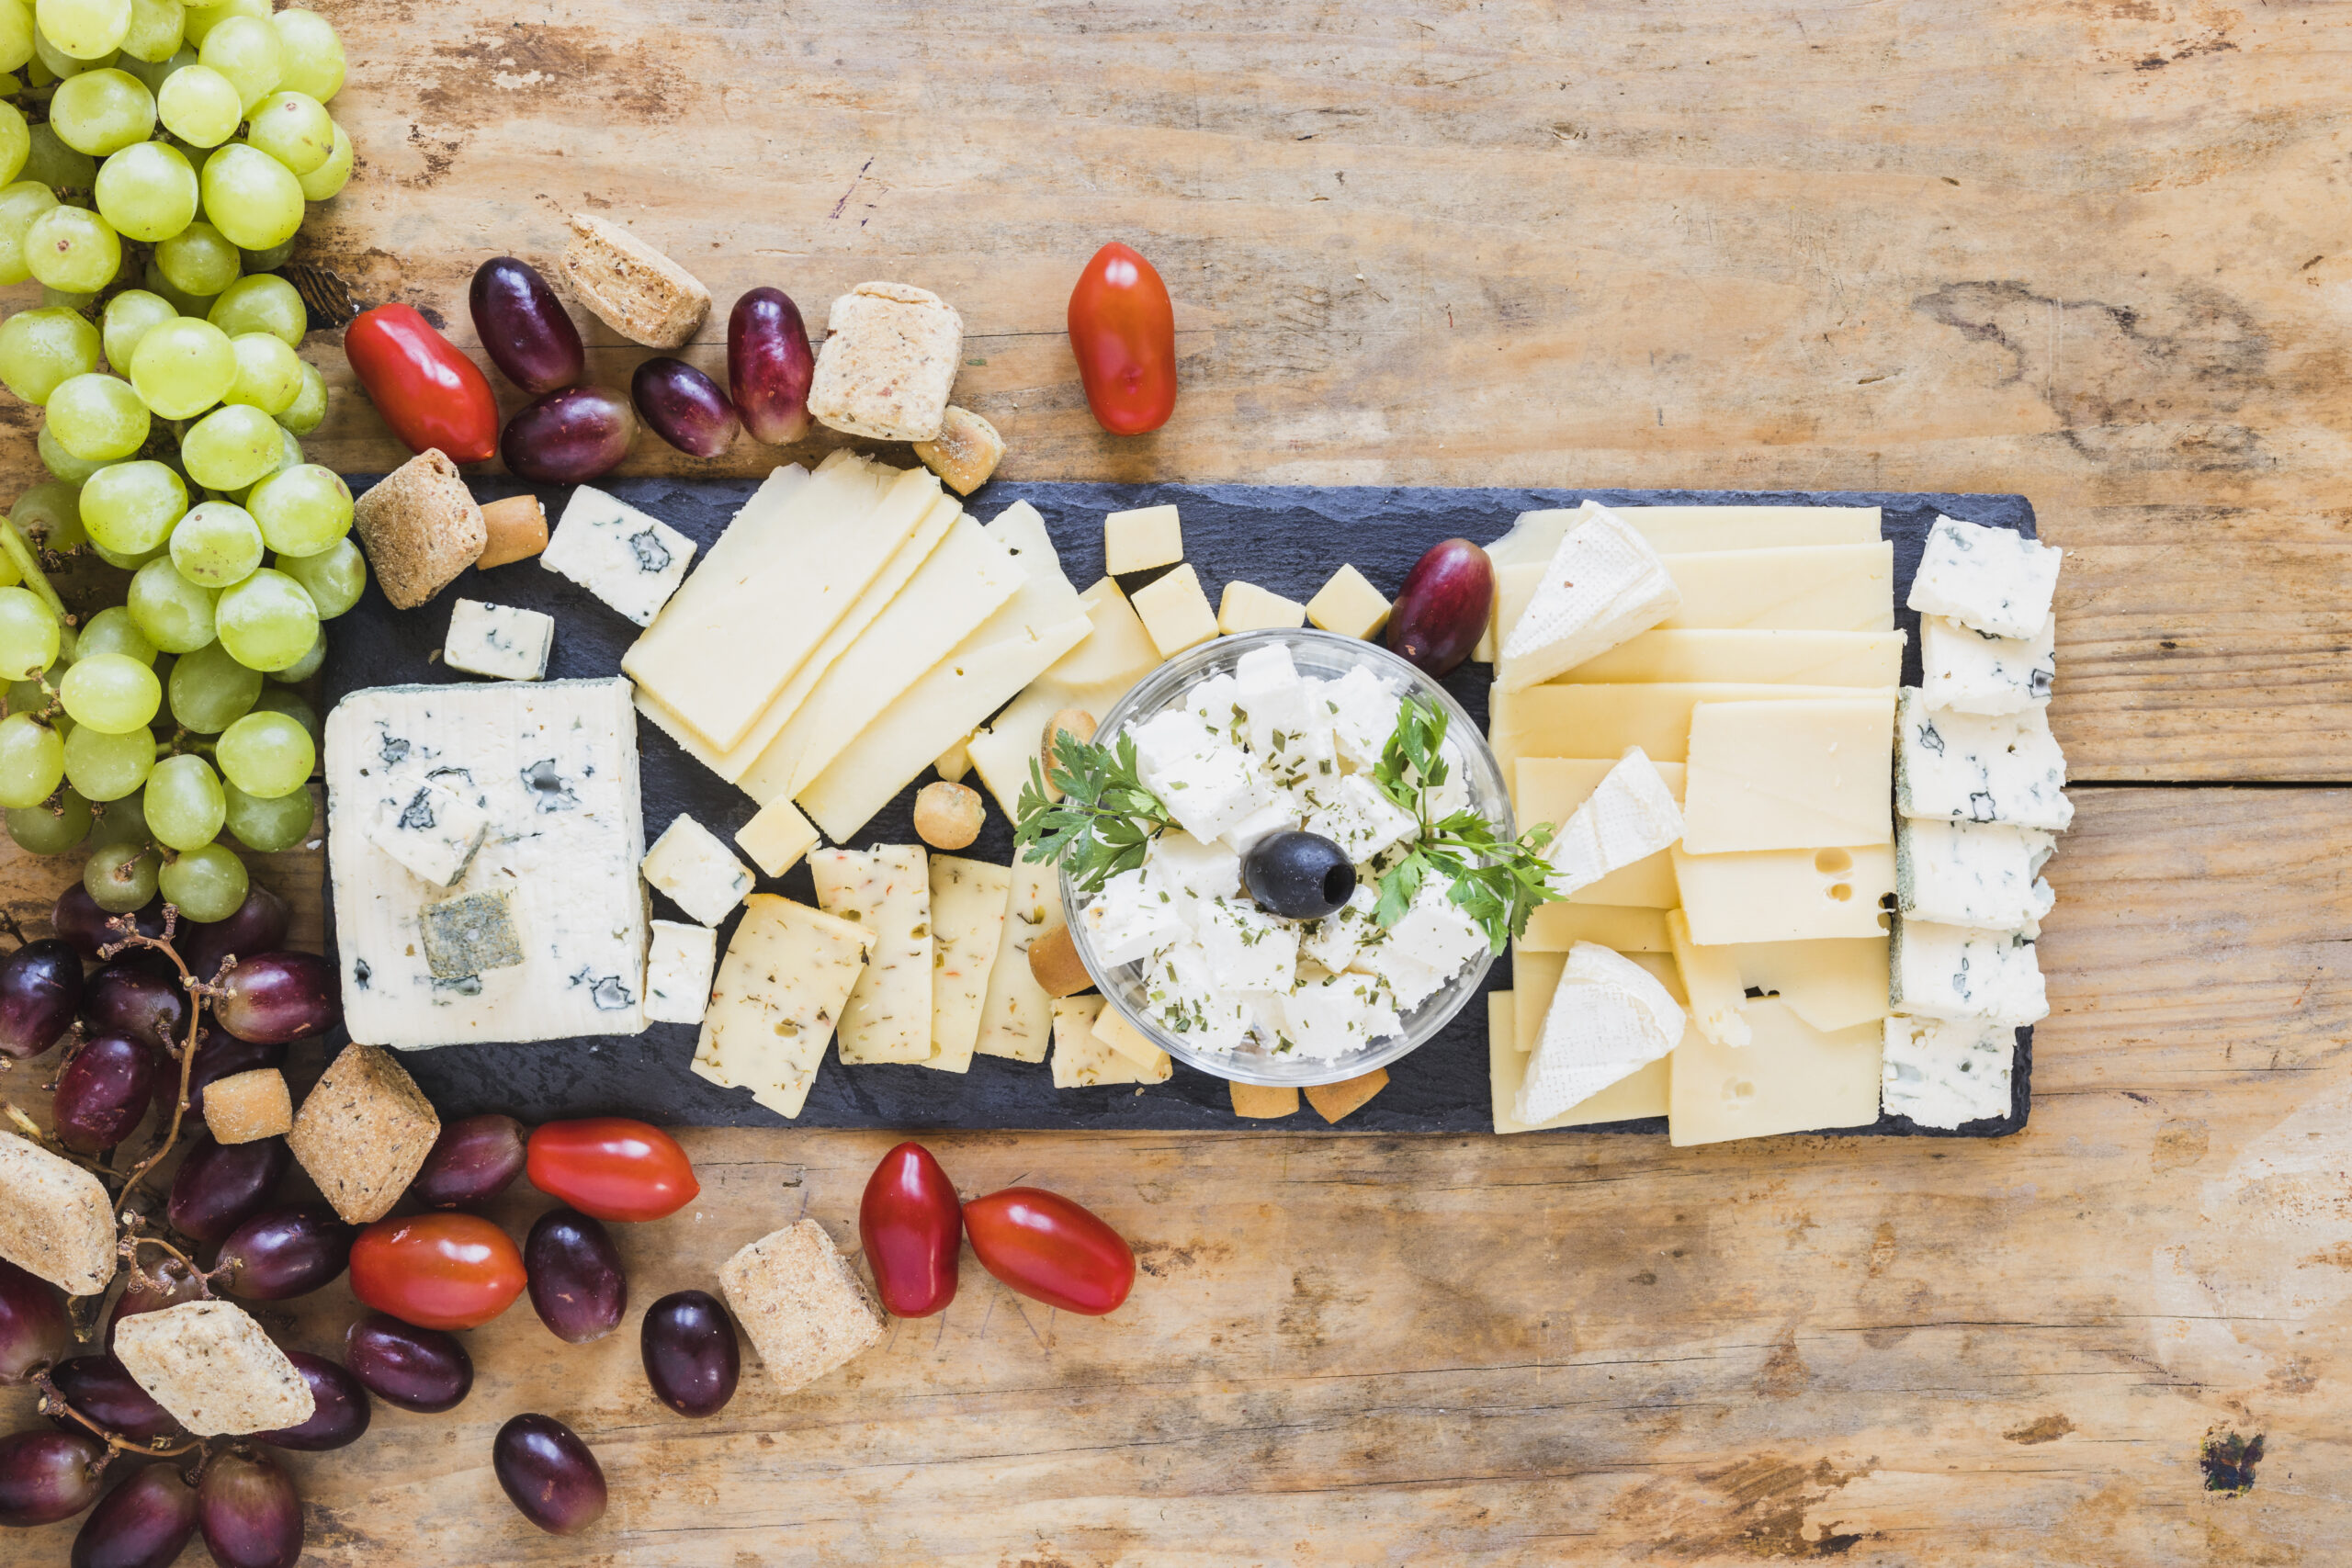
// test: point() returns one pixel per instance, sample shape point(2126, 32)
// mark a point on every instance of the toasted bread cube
point(420, 527)
point(1348, 605)
point(1141, 539)
point(1246, 607)
point(1175, 612)
point(212, 1366)
point(803, 1307)
point(888, 363)
point(364, 1133)
point(245, 1107)
point(632, 288)
point(965, 452)
point(1333, 1100)
point(1263, 1102)
point(517, 530)
point(55, 1219)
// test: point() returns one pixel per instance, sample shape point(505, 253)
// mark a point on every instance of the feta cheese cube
point(1335, 1015)
point(678, 967)
point(688, 864)
point(1207, 785)
point(632, 562)
point(1131, 919)
point(1973, 672)
point(1955, 972)
point(1604, 584)
point(1192, 871)
point(1275, 815)
point(1184, 996)
point(1362, 820)
point(1609, 1019)
point(1970, 874)
point(1247, 949)
point(1332, 941)
point(435, 832)
point(1944, 1073)
point(1214, 703)
point(1289, 732)
point(1995, 579)
point(1967, 767)
point(1631, 817)
point(1426, 948)
point(498, 640)
point(1363, 714)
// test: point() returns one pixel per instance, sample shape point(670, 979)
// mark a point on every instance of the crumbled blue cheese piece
point(1972, 671)
point(1995, 579)
point(1972, 768)
point(678, 967)
point(632, 562)
point(1972, 873)
point(697, 873)
point(498, 640)
point(468, 936)
point(1942, 1073)
point(436, 830)
point(1957, 972)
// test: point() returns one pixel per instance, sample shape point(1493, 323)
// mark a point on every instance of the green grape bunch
point(156, 160)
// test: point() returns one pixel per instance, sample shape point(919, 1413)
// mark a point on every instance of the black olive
point(1300, 876)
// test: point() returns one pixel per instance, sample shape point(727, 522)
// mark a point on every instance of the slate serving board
point(1286, 539)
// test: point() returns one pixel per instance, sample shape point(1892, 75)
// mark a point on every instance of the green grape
point(50, 514)
point(61, 463)
point(251, 197)
point(199, 260)
point(185, 807)
point(313, 55)
point(100, 112)
point(97, 418)
point(302, 510)
point(290, 455)
point(83, 28)
point(182, 302)
point(259, 303)
point(266, 622)
point(147, 191)
point(211, 691)
point(121, 874)
point(275, 698)
point(108, 767)
point(128, 317)
point(20, 204)
point(126, 560)
point(199, 106)
point(72, 249)
point(17, 142)
point(269, 377)
point(155, 72)
point(130, 509)
point(53, 827)
point(72, 300)
point(267, 755)
point(334, 578)
point(17, 40)
point(38, 75)
point(111, 630)
point(41, 349)
point(303, 669)
point(269, 260)
point(294, 129)
point(31, 637)
point(62, 66)
point(27, 696)
point(323, 183)
point(111, 693)
point(268, 826)
point(32, 759)
point(309, 410)
point(182, 367)
point(245, 49)
point(217, 545)
point(55, 165)
point(203, 19)
point(206, 884)
point(177, 614)
point(156, 31)
point(122, 819)
point(230, 447)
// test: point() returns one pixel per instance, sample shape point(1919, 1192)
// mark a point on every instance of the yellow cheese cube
point(1081, 1059)
point(1112, 1027)
point(1348, 605)
point(1246, 607)
point(775, 837)
point(1175, 612)
point(1139, 540)
point(955, 761)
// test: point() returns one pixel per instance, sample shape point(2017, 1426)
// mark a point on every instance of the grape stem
point(197, 992)
point(18, 549)
point(53, 1403)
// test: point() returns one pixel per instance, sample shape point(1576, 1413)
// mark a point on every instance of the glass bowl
point(1324, 655)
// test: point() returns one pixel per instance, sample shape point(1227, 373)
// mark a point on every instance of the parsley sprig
point(1106, 818)
point(1496, 882)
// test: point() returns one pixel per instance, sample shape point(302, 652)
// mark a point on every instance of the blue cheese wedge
point(1609, 1019)
point(1995, 579)
point(437, 831)
point(1946, 1073)
point(630, 560)
point(696, 872)
point(1631, 817)
point(1603, 585)
point(1972, 873)
point(553, 765)
point(1972, 768)
point(498, 640)
point(678, 968)
point(1972, 671)
point(887, 890)
point(1956, 972)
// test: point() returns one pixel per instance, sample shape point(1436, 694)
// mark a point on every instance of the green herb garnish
point(1496, 882)
point(1106, 818)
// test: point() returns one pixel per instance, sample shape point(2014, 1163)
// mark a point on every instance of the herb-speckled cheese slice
point(1018, 1021)
point(1970, 768)
point(968, 899)
point(1946, 1073)
point(887, 890)
point(778, 997)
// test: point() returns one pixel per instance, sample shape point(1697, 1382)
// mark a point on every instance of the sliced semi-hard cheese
point(1609, 1018)
point(1785, 895)
point(1790, 658)
point(1673, 530)
point(1830, 985)
point(1116, 653)
point(1112, 1027)
point(886, 889)
point(778, 997)
point(1555, 928)
point(1018, 1023)
point(1973, 672)
point(1945, 1073)
point(1964, 768)
point(1629, 819)
point(1831, 588)
point(1603, 585)
point(678, 968)
point(1585, 721)
point(1553, 789)
point(1972, 873)
point(1792, 775)
point(1995, 579)
point(1790, 1078)
point(1955, 972)
point(967, 928)
point(1711, 984)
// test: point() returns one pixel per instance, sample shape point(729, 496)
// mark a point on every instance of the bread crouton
point(363, 1132)
point(1333, 1100)
point(965, 452)
point(888, 363)
point(245, 1107)
point(517, 530)
point(420, 528)
point(1262, 1102)
point(803, 1306)
point(55, 1219)
point(212, 1366)
point(632, 288)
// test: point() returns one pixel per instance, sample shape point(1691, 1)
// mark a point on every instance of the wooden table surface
point(2094, 250)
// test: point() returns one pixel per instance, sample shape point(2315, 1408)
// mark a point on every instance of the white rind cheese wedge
point(1550, 789)
point(1995, 579)
point(1018, 1022)
point(968, 899)
point(1792, 775)
point(1972, 671)
point(1639, 1095)
point(787, 972)
point(678, 969)
point(1964, 768)
point(1630, 817)
point(1945, 1073)
point(631, 561)
point(1972, 873)
point(555, 766)
point(1609, 1019)
point(1957, 973)
point(1604, 584)
point(886, 889)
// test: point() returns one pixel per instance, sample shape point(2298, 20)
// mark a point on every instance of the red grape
point(473, 1161)
point(102, 1389)
point(179, 1284)
point(418, 1369)
point(41, 985)
point(103, 1094)
point(286, 1252)
point(144, 1523)
point(218, 1055)
point(85, 927)
point(258, 926)
point(47, 1476)
point(691, 1357)
point(769, 365)
point(128, 997)
point(683, 407)
point(342, 1411)
point(524, 328)
point(1442, 609)
point(577, 1285)
point(569, 438)
point(549, 1475)
point(34, 1329)
point(220, 1186)
point(249, 1512)
point(274, 998)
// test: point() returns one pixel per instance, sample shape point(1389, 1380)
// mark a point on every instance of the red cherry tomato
point(612, 1168)
point(436, 1270)
point(429, 393)
point(912, 1226)
point(1124, 332)
point(1051, 1249)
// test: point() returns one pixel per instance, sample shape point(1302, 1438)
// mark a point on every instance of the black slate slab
point(1286, 539)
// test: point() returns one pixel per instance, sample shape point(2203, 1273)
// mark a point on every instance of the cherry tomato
point(436, 1270)
point(612, 1168)
point(429, 393)
point(1123, 330)
point(912, 1226)
point(1051, 1249)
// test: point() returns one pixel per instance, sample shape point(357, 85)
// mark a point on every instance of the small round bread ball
point(1078, 722)
point(1055, 965)
point(948, 816)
